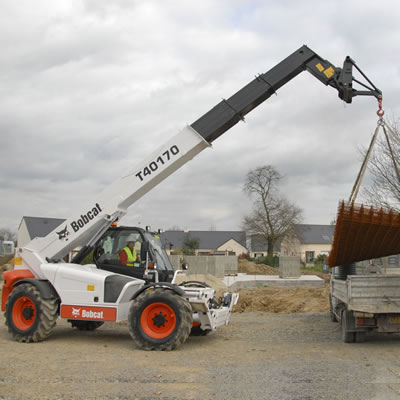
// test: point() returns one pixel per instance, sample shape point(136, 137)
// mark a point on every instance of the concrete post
point(289, 267)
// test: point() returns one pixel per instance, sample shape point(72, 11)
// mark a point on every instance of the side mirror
point(143, 251)
point(185, 266)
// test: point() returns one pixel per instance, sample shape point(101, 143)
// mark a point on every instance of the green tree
point(190, 245)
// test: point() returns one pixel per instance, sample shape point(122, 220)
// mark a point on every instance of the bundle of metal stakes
point(363, 233)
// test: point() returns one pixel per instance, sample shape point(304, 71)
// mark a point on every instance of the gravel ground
point(258, 356)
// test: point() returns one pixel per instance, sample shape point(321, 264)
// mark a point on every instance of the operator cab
point(149, 251)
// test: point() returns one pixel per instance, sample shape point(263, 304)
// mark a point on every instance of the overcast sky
point(88, 89)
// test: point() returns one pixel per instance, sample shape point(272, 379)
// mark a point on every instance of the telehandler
point(160, 314)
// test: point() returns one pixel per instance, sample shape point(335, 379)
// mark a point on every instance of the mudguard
point(45, 288)
point(165, 285)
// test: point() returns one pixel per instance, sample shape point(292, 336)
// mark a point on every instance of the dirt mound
point(250, 268)
point(284, 299)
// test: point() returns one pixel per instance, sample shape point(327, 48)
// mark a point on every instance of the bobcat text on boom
point(86, 218)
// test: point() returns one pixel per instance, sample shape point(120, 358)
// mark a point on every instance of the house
point(258, 247)
point(31, 227)
point(209, 242)
point(308, 241)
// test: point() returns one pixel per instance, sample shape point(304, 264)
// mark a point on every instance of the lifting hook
point(380, 111)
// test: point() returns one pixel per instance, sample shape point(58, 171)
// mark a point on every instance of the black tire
point(160, 319)
point(28, 316)
point(197, 331)
point(331, 313)
point(348, 337)
point(359, 337)
point(85, 325)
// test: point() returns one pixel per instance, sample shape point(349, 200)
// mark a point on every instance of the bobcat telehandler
point(160, 314)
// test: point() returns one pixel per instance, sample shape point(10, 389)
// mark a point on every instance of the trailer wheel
point(85, 325)
point(160, 319)
point(28, 316)
point(331, 313)
point(348, 337)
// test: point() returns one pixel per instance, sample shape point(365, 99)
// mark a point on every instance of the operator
point(128, 255)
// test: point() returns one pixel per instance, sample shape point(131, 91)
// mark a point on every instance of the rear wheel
point(85, 325)
point(348, 337)
point(359, 337)
point(160, 319)
point(28, 316)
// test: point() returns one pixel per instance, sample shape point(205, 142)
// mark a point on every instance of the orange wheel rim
point(158, 320)
point(24, 313)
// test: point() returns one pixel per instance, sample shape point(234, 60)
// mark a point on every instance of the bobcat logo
point(63, 234)
point(75, 311)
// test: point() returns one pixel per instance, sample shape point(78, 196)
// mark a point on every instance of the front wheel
point(28, 316)
point(160, 319)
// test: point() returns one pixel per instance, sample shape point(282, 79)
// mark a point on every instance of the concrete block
point(213, 265)
point(289, 267)
point(176, 261)
point(229, 263)
point(204, 265)
point(244, 281)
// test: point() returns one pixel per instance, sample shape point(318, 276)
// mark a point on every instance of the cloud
point(89, 89)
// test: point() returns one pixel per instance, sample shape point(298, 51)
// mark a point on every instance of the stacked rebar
point(364, 233)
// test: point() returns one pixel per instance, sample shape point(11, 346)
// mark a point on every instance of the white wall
point(23, 234)
point(233, 245)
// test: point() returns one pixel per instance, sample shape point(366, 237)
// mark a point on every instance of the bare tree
point(384, 190)
point(8, 234)
point(272, 216)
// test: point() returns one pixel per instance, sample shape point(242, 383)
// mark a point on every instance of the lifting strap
point(390, 147)
point(360, 176)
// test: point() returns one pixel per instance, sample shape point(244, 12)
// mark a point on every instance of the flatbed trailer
point(365, 297)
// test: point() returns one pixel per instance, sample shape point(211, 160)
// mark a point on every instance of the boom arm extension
point(87, 226)
point(229, 112)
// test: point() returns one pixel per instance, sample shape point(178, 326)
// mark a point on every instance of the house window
point(310, 256)
point(393, 260)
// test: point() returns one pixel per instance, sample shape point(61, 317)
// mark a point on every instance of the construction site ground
point(280, 344)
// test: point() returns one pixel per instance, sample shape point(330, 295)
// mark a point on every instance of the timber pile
point(364, 233)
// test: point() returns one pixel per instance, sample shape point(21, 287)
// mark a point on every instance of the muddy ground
point(258, 356)
point(281, 300)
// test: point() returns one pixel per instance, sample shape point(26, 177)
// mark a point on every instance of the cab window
point(112, 244)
